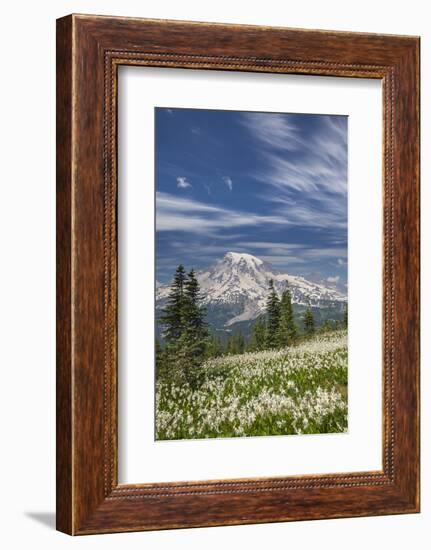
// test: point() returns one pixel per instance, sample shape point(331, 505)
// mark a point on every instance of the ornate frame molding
point(90, 49)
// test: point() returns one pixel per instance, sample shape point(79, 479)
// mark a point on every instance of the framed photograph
point(237, 274)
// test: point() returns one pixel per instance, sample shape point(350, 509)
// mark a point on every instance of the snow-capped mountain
point(236, 287)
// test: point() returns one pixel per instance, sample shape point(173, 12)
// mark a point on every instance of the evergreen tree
point(345, 317)
point(287, 331)
point(161, 364)
point(258, 337)
point(172, 318)
point(235, 344)
point(230, 346)
point(193, 312)
point(239, 342)
point(326, 326)
point(213, 347)
point(193, 341)
point(273, 316)
point(184, 329)
point(309, 326)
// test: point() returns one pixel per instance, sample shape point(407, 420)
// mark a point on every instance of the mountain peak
point(236, 287)
point(237, 257)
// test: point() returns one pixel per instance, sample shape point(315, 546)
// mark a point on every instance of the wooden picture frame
point(89, 51)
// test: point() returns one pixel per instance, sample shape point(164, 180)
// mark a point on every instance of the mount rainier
point(234, 290)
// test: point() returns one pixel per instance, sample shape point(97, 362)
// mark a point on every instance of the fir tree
point(235, 344)
point(258, 337)
point(172, 318)
point(287, 331)
point(326, 326)
point(309, 326)
point(213, 347)
point(194, 338)
point(345, 317)
point(160, 356)
point(193, 312)
point(273, 316)
point(184, 329)
point(239, 342)
point(229, 350)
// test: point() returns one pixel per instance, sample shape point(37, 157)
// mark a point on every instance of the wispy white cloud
point(228, 181)
point(185, 214)
point(283, 262)
point(273, 130)
point(318, 211)
point(309, 174)
point(293, 253)
point(308, 250)
point(182, 182)
point(265, 245)
point(301, 176)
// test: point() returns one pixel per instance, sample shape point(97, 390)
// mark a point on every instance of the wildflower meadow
point(300, 389)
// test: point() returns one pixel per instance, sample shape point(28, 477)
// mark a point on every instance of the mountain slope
point(236, 287)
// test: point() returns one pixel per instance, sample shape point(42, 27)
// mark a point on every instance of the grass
point(298, 390)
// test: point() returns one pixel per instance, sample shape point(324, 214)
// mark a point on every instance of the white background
point(27, 218)
point(141, 458)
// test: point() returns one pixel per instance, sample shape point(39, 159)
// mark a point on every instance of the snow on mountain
point(238, 284)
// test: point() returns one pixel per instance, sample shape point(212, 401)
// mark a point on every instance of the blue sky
point(269, 184)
